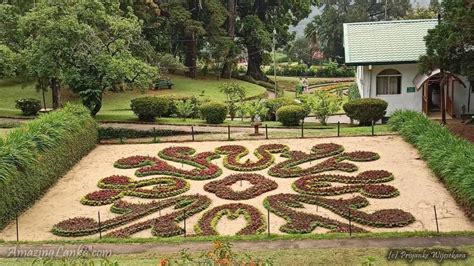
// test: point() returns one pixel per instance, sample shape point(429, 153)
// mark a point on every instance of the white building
point(386, 55)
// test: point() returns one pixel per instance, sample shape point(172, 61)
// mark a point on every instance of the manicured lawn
point(289, 83)
point(118, 104)
point(330, 256)
point(4, 131)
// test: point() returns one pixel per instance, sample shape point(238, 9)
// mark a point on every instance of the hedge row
point(450, 158)
point(106, 133)
point(34, 156)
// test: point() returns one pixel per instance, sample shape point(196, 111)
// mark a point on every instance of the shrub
point(147, 108)
point(353, 92)
point(274, 104)
point(214, 112)
point(448, 156)
point(366, 110)
point(128, 133)
point(28, 106)
point(324, 104)
point(174, 101)
point(291, 115)
point(34, 156)
point(184, 109)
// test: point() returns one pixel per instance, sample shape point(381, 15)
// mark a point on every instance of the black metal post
point(266, 131)
point(436, 218)
point(228, 132)
point(350, 223)
point(100, 226)
point(184, 215)
point(373, 123)
point(268, 221)
point(154, 134)
point(338, 129)
point(192, 132)
point(17, 229)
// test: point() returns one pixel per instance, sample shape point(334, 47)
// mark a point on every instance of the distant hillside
point(299, 29)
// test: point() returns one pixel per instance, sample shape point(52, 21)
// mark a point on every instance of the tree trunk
point(191, 54)
point(254, 64)
point(227, 68)
point(56, 93)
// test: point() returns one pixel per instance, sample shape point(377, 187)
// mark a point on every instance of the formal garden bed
point(358, 184)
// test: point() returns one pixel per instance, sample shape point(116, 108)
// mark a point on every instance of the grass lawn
point(118, 104)
point(330, 256)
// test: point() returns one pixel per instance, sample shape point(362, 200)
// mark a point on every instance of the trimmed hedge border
point(54, 143)
point(263, 153)
point(451, 158)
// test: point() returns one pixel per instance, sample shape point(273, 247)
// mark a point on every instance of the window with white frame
point(389, 81)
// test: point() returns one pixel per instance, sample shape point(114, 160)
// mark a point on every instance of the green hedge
point(291, 115)
point(366, 110)
point(451, 158)
point(34, 156)
point(214, 112)
point(116, 133)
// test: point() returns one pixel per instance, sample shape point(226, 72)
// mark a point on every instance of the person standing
point(305, 85)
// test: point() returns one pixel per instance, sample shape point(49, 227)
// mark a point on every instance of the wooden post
point(373, 124)
point(436, 218)
point(154, 134)
point(268, 221)
point(443, 98)
point(17, 229)
point(192, 132)
point(338, 129)
point(302, 128)
point(266, 131)
point(228, 132)
point(100, 226)
point(350, 223)
point(184, 215)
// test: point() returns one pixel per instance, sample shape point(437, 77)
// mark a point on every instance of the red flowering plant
point(163, 226)
point(208, 222)
point(363, 183)
point(300, 222)
point(154, 166)
point(334, 153)
point(234, 153)
point(116, 187)
point(222, 188)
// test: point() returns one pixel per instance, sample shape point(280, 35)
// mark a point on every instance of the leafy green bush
point(274, 104)
point(450, 157)
point(214, 112)
point(365, 110)
point(324, 104)
point(28, 106)
point(34, 156)
point(353, 92)
point(291, 115)
point(174, 101)
point(147, 108)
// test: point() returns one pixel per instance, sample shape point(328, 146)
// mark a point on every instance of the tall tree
point(257, 21)
point(227, 68)
point(326, 29)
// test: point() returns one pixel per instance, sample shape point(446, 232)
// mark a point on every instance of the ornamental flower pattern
point(116, 187)
point(312, 186)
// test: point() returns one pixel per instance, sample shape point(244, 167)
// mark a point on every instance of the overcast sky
point(300, 27)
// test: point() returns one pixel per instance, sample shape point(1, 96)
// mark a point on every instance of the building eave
point(380, 63)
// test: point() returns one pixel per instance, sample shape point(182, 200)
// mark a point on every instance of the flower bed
point(301, 222)
point(116, 187)
point(363, 183)
point(208, 222)
point(222, 188)
point(234, 153)
point(154, 166)
point(163, 226)
point(333, 152)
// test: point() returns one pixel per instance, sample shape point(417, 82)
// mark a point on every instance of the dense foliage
point(214, 112)
point(291, 115)
point(34, 156)
point(148, 108)
point(328, 69)
point(28, 106)
point(366, 110)
point(447, 155)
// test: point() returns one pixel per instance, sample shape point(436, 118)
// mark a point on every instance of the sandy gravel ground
point(419, 188)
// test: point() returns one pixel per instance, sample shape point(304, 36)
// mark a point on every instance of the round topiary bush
point(214, 112)
point(147, 108)
point(274, 104)
point(366, 110)
point(291, 115)
point(28, 106)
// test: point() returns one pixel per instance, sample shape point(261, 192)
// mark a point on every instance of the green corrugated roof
point(386, 41)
